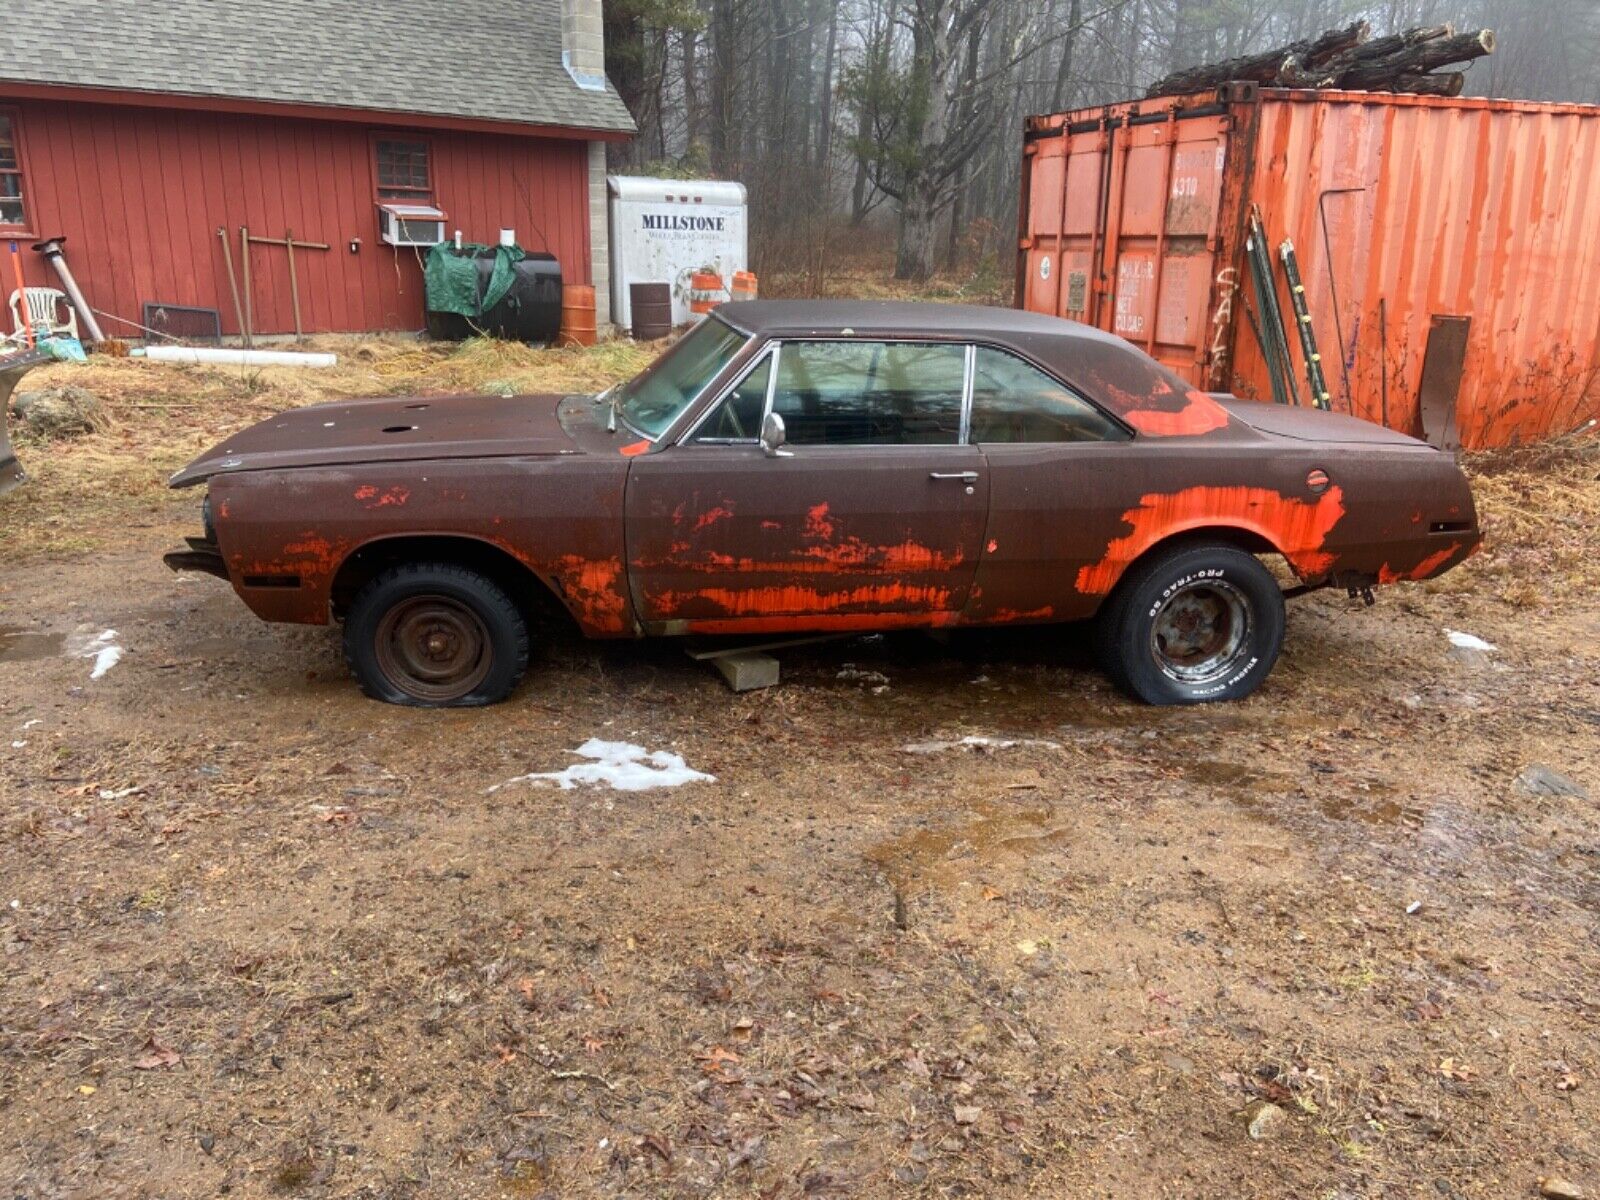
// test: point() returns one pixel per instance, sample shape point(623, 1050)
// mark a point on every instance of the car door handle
point(958, 476)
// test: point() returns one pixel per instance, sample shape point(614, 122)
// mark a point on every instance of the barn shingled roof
point(485, 59)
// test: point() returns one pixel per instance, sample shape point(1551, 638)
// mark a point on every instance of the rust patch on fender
point(1297, 528)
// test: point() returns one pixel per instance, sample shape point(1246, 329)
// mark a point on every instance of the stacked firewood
point(1349, 59)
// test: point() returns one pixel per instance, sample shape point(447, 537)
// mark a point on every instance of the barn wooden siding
point(140, 193)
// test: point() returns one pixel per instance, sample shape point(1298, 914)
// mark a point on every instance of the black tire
point(1197, 623)
point(435, 635)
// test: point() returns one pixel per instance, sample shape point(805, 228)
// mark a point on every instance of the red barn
point(139, 131)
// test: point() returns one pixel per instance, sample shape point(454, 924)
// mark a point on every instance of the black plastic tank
point(529, 312)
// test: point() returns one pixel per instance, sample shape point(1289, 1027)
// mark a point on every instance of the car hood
point(1313, 424)
point(392, 429)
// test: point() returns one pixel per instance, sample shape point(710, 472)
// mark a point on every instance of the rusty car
point(806, 467)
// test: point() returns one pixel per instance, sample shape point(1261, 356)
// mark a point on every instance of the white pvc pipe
point(248, 358)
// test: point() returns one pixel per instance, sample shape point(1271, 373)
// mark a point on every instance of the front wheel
point(435, 635)
point(1193, 624)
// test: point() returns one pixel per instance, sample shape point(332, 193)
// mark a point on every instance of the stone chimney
point(583, 47)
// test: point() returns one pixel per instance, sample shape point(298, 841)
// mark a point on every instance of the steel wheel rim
point(1201, 632)
point(433, 648)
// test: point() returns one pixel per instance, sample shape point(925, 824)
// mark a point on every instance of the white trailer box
point(664, 230)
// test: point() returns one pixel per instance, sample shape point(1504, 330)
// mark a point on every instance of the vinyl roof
point(821, 317)
point(470, 59)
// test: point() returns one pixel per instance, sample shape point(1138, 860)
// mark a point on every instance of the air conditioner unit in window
point(410, 224)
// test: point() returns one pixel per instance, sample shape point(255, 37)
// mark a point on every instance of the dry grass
point(84, 492)
point(1540, 508)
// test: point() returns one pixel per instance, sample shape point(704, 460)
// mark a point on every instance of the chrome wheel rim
point(433, 648)
point(1201, 632)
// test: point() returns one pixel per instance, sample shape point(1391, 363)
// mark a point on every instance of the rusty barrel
point(705, 292)
point(577, 316)
point(744, 286)
point(651, 307)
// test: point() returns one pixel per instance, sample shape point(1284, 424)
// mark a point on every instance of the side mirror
point(773, 436)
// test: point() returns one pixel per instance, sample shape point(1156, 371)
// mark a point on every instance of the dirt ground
point(262, 937)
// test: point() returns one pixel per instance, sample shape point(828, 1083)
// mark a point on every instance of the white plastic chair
point(45, 306)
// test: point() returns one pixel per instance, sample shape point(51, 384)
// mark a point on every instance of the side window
point(870, 393)
point(738, 417)
point(403, 172)
point(1013, 401)
point(12, 211)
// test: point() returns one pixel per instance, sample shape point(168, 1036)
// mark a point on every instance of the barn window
point(403, 170)
point(13, 211)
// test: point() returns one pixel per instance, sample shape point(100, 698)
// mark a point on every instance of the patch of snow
point(103, 649)
point(977, 742)
point(108, 657)
point(619, 765)
point(853, 674)
point(18, 745)
point(1468, 641)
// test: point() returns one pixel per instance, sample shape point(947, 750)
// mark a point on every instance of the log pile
point(1348, 59)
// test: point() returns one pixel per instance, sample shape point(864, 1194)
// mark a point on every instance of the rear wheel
point(436, 636)
point(1193, 624)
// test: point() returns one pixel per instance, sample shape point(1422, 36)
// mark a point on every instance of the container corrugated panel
point(1406, 213)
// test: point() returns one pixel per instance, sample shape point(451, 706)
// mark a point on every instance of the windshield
point(651, 402)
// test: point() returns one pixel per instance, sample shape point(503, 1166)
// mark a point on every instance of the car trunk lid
point(392, 429)
point(1312, 424)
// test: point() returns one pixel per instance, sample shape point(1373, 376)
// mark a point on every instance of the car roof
point(1100, 365)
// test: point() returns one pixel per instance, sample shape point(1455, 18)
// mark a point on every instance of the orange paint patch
point(1198, 414)
point(794, 600)
point(595, 589)
point(711, 516)
point(1296, 527)
point(371, 497)
point(1009, 616)
point(817, 523)
point(633, 449)
point(851, 555)
point(1423, 570)
point(825, 622)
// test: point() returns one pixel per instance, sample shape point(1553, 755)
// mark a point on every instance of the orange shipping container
point(1450, 248)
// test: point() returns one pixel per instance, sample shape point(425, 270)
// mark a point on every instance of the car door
point(874, 516)
point(1059, 484)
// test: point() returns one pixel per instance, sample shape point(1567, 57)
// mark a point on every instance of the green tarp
point(451, 278)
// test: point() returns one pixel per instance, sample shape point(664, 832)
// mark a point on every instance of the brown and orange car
point(824, 466)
